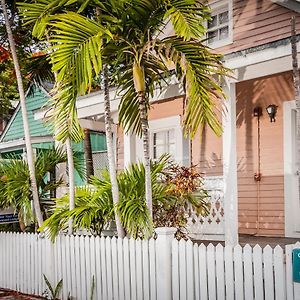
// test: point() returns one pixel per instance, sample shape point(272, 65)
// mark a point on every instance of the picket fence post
point(165, 236)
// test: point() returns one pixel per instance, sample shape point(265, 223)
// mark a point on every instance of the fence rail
point(151, 270)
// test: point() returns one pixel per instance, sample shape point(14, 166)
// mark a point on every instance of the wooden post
point(165, 236)
point(230, 168)
point(129, 148)
point(296, 80)
point(88, 154)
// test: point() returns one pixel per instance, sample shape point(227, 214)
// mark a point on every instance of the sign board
point(8, 216)
point(296, 265)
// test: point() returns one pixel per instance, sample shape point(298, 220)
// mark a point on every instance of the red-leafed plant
point(186, 194)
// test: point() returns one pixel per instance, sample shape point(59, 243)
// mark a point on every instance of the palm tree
point(131, 41)
point(45, 8)
point(29, 150)
point(110, 151)
point(144, 58)
point(36, 17)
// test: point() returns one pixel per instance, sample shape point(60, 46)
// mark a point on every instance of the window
point(163, 142)
point(219, 28)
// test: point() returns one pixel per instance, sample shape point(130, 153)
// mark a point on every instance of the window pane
point(171, 136)
point(223, 18)
point(212, 36)
point(224, 32)
point(213, 22)
point(159, 138)
point(172, 150)
point(158, 151)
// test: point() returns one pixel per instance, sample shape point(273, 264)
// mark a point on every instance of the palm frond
point(64, 114)
point(188, 18)
point(39, 72)
point(77, 48)
point(39, 13)
point(200, 71)
point(154, 70)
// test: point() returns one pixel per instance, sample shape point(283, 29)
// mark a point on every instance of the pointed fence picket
point(117, 269)
point(233, 273)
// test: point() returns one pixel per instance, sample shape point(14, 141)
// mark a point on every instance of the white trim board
point(16, 144)
point(93, 104)
point(291, 201)
point(259, 56)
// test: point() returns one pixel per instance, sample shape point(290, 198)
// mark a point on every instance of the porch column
point(230, 167)
point(129, 148)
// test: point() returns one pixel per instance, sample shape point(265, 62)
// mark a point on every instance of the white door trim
point(291, 201)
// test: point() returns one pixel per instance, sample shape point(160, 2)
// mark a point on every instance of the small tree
point(28, 144)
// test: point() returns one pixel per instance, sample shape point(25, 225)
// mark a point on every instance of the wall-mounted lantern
point(272, 110)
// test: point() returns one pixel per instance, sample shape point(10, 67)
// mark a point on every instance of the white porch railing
point(212, 226)
point(162, 269)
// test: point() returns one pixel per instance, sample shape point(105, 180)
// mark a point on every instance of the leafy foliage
point(52, 293)
point(128, 34)
point(15, 182)
point(174, 189)
point(31, 57)
point(186, 187)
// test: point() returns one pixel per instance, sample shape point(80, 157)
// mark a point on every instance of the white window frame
point(217, 7)
point(166, 143)
point(181, 155)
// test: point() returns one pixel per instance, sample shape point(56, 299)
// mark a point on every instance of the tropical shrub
point(15, 190)
point(186, 194)
point(175, 191)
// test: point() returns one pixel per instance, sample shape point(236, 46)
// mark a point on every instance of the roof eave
point(293, 5)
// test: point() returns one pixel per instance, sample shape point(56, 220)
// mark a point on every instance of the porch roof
point(290, 4)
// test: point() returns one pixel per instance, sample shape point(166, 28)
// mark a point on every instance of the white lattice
point(212, 226)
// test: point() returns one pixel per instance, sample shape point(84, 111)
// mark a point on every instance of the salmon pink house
point(250, 171)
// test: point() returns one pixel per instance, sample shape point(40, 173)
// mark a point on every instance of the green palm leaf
point(188, 17)
point(76, 51)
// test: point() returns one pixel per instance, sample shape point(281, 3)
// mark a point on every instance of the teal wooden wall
point(37, 127)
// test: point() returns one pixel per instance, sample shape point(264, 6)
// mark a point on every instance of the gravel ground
point(12, 295)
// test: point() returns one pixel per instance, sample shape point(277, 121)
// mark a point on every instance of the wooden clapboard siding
point(257, 22)
point(166, 108)
point(37, 127)
point(207, 153)
point(261, 204)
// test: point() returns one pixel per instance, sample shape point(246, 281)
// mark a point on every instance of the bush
point(175, 190)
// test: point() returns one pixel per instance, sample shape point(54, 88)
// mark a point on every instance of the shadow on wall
point(210, 156)
point(261, 204)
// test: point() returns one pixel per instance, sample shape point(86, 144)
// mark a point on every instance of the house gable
point(15, 129)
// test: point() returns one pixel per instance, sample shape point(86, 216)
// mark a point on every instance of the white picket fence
point(161, 269)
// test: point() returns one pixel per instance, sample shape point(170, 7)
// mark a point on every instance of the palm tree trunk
point(146, 148)
point(30, 159)
point(71, 170)
point(297, 92)
point(110, 151)
point(70, 161)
